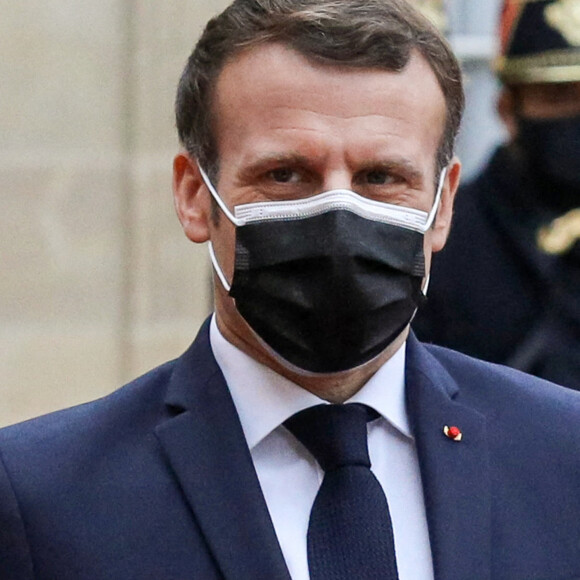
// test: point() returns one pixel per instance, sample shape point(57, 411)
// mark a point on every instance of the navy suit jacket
point(156, 481)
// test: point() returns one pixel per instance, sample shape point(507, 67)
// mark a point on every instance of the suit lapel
point(206, 448)
point(455, 474)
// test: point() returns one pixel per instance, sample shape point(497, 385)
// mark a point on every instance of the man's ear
point(506, 109)
point(191, 198)
point(442, 225)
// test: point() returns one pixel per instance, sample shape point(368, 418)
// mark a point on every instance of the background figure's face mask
point(327, 282)
point(553, 150)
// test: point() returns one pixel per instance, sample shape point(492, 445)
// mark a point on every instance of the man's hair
point(375, 34)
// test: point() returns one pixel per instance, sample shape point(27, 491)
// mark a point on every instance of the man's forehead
point(260, 60)
point(271, 100)
point(279, 81)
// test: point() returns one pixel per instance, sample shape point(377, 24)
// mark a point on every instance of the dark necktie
point(350, 534)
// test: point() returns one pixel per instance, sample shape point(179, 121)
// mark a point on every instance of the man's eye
point(378, 177)
point(283, 175)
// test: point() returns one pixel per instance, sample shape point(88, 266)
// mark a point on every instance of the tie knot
point(335, 434)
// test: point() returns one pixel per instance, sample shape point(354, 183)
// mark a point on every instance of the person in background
point(506, 288)
point(306, 434)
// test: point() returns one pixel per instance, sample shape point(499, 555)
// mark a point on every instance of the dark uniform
point(506, 288)
point(494, 293)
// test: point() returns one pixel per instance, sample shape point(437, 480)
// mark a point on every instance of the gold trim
point(560, 236)
point(557, 66)
point(564, 17)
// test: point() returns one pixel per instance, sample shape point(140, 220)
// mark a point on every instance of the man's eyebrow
point(270, 161)
point(267, 162)
point(402, 164)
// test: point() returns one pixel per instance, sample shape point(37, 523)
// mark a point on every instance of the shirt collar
point(264, 399)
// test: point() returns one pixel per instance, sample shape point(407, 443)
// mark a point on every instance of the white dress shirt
point(290, 476)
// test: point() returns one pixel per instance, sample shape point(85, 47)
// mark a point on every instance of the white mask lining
point(344, 199)
point(336, 199)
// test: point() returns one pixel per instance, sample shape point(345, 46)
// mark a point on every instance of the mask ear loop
point(429, 223)
point(433, 212)
point(217, 268)
point(230, 216)
point(236, 221)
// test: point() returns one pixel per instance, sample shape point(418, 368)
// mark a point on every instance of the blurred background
point(98, 283)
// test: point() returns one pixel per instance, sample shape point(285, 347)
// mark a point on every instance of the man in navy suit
point(318, 162)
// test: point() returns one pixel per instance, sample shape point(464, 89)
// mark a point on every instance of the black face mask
point(329, 282)
point(552, 147)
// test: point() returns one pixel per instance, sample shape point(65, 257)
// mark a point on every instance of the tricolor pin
point(453, 433)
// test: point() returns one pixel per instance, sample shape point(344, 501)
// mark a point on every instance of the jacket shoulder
point(503, 392)
point(49, 457)
point(69, 431)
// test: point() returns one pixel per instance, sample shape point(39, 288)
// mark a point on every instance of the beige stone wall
point(98, 282)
